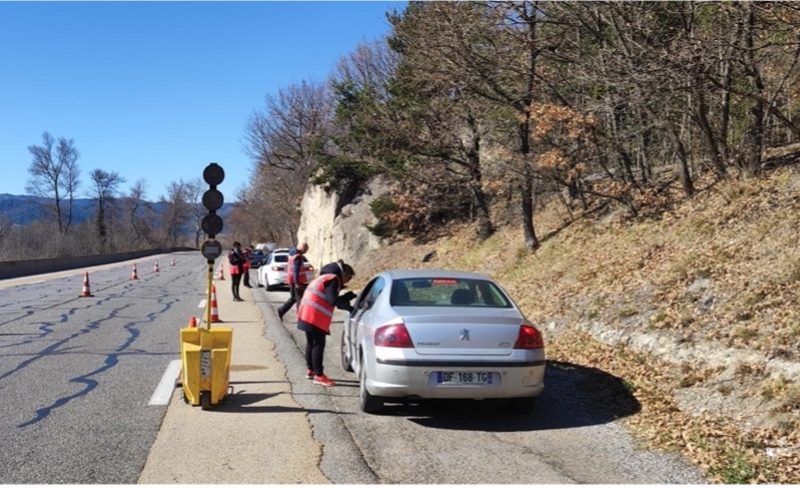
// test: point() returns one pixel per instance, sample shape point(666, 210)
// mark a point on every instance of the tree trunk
point(708, 134)
point(526, 186)
point(753, 141)
point(485, 226)
point(526, 190)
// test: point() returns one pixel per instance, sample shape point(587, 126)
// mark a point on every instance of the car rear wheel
point(369, 403)
point(524, 405)
point(347, 363)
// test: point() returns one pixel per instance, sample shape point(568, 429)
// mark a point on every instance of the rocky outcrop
point(344, 236)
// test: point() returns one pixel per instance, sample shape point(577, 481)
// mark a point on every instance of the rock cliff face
point(344, 236)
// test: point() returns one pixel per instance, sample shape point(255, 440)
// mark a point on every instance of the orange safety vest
point(302, 274)
point(314, 308)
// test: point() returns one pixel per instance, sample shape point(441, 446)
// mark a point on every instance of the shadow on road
point(574, 396)
point(248, 403)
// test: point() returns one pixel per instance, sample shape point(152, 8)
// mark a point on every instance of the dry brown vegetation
point(718, 271)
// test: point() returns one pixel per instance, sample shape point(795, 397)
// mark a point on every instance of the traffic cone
point(220, 274)
point(134, 275)
point(172, 262)
point(155, 268)
point(86, 292)
point(192, 323)
point(214, 310)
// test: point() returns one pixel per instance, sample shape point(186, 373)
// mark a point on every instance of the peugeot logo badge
point(464, 335)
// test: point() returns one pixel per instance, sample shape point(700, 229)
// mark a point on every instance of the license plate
point(464, 377)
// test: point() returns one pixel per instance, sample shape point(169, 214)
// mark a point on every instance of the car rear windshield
point(447, 292)
point(281, 258)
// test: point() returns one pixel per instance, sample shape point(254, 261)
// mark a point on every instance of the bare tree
point(104, 190)
point(282, 142)
point(55, 177)
point(177, 213)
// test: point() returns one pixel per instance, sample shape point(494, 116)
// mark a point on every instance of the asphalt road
point(573, 436)
point(76, 374)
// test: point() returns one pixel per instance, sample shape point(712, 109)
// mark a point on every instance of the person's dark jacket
point(236, 259)
point(332, 290)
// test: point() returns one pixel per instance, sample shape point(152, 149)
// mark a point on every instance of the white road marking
point(164, 389)
point(202, 303)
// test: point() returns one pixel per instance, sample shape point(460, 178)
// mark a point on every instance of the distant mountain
point(24, 209)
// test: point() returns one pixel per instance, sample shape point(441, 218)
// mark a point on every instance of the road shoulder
point(259, 435)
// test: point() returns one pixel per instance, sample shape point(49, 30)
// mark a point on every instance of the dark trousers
point(235, 280)
point(295, 295)
point(247, 278)
point(315, 348)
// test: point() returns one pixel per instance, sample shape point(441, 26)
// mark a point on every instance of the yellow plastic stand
point(206, 358)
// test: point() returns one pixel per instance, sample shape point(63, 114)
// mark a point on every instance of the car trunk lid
point(464, 332)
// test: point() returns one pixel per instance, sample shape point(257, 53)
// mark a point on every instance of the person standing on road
point(248, 252)
point(236, 260)
point(316, 311)
point(297, 279)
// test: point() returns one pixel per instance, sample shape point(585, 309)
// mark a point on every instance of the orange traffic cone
point(134, 275)
point(192, 323)
point(214, 310)
point(172, 262)
point(155, 268)
point(86, 292)
point(220, 274)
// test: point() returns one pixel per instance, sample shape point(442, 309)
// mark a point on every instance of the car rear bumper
point(392, 378)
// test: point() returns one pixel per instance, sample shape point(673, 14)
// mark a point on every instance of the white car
point(274, 270)
point(441, 334)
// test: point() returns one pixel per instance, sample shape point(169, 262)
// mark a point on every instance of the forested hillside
point(469, 103)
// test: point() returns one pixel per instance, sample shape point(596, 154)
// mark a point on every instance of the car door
point(363, 311)
point(350, 322)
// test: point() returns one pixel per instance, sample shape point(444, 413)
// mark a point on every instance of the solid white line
point(202, 303)
point(164, 389)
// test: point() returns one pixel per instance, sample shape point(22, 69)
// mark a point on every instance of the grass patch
point(735, 468)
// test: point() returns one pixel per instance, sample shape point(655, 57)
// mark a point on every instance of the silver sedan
point(441, 334)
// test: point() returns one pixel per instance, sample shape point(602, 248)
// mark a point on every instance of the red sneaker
point(323, 380)
point(310, 374)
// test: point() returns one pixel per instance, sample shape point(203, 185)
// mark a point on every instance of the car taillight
point(529, 338)
point(278, 268)
point(395, 335)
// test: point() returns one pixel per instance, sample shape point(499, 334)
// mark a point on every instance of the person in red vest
point(316, 311)
point(297, 280)
point(248, 252)
point(236, 260)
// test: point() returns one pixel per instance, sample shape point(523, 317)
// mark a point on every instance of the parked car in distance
point(275, 269)
point(418, 334)
point(256, 258)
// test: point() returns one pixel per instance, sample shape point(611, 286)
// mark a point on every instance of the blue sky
point(156, 90)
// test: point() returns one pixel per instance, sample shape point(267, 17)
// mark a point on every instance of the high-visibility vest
point(302, 274)
point(314, 308)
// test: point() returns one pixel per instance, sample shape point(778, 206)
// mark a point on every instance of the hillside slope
point(695, 308)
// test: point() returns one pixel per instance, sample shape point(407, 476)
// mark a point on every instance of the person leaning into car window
point(236, 260)
point(316, 311)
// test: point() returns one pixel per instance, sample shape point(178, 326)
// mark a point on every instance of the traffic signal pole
point(206, 353)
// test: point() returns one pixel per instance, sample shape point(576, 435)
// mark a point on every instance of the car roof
point(399, 274)
point(281, 250)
